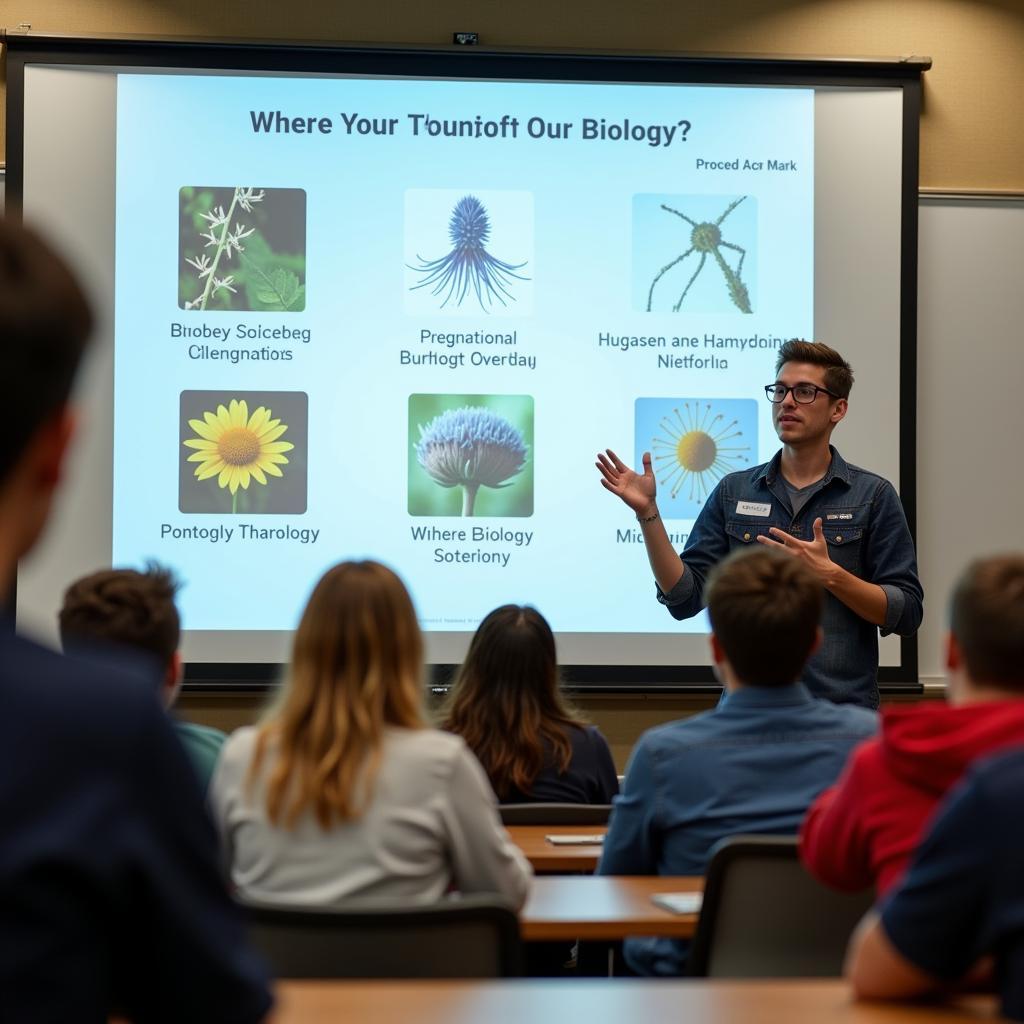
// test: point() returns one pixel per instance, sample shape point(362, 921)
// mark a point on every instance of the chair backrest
point(764, 916)
point(555, 814)
point(471, 937)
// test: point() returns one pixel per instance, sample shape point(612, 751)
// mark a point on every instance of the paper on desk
point(678, 902)
point(595, 839)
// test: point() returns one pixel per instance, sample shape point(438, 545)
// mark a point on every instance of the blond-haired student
point(343, 792)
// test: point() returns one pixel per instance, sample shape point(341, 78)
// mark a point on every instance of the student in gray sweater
point(343, 792)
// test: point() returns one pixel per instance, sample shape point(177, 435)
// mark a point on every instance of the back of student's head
point(987, 620)
point(45, 323)
point(765, 608)
point(357, 665)
point(505, 701)
point(123, 607)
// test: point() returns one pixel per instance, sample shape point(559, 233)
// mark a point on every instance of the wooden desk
point(602, 1001)
point(553, 859)
point(588, 907)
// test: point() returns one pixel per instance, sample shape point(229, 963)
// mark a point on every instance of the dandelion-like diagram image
point(469, 270)
point(470, 455)
point(672, 263)
point(239, 461)
point(242, 248)
point(694, 442)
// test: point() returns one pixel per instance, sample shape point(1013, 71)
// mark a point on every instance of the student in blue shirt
point(961, 901)
point(844, 523)
point(753, 764)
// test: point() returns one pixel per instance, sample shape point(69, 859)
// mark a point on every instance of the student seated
point(961, 900)
point(506, 704)
point(864, 830)
point(342, 792)
point(111, 901)
point(755, 762)
point(125, 608)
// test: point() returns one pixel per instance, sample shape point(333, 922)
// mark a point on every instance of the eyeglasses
point(803, 394)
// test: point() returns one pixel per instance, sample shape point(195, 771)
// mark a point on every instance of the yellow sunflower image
point(236, 448)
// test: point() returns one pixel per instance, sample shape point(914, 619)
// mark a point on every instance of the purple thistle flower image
point(469, 266)
point(471, 448)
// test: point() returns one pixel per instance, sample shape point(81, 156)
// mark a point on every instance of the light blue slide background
point(177, 130)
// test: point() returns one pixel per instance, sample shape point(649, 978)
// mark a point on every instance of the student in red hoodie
point(864, 829)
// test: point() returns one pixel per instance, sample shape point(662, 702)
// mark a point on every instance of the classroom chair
point(554, 814)
point(764, 916)
point(468, 937)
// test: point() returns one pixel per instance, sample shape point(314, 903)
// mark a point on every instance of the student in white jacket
point(342, 792)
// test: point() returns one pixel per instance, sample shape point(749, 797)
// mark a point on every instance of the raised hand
point(637, 490)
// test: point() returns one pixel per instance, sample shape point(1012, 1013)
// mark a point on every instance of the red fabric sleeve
point(834, 845)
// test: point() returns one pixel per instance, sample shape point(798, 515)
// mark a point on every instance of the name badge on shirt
point(753, 508)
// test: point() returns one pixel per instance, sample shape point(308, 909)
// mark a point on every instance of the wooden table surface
point(590, 907)
point(552, 859)
point(602, 1001)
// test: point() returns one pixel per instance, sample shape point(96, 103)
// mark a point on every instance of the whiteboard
point(970, 423)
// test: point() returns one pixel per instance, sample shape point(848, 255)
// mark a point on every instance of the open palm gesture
point(637, 490)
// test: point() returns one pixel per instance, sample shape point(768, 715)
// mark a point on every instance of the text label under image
point(243, 452)
point(470, 455)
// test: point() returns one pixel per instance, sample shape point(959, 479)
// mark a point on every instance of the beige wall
point(971, 136)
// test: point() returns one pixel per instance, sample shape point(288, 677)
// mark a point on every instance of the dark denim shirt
point(867, 534)
point(753, 764)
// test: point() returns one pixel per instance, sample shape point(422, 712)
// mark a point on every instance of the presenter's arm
point(639, 492)
point(891, 596)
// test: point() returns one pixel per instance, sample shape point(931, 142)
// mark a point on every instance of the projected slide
point(398, 318)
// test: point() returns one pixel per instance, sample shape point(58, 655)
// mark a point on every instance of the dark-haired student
point(506, 703)
point(111, 897)
point(755, 762)
point(863, 831)
point(961, 902)
point(842, 522)
point(127, 608)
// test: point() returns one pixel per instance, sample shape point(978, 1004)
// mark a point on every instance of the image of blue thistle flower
point(471, 448)
point(469, 267)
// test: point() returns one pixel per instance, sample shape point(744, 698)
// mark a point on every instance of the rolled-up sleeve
point(706, 546)
point(891, 563)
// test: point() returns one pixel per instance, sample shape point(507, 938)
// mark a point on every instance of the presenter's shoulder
point(868, 478)
point(739, 479)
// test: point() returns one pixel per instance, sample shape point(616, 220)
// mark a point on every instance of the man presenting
point(845, 523)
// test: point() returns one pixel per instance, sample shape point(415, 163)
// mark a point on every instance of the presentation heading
point(508, 126)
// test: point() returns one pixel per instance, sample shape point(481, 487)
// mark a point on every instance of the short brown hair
point(765, 608)
point(987, 619)
point(838, 372)
point(45, 322)
point(124, 607)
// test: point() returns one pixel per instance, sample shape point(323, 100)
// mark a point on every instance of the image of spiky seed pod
point(469, 252)
point(470, 455)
